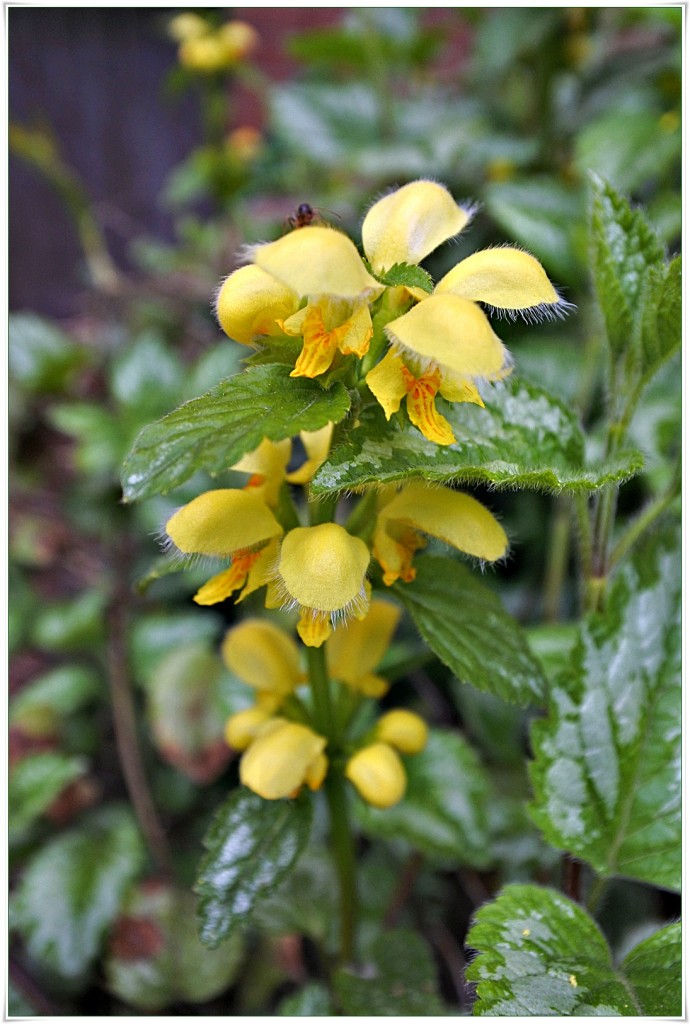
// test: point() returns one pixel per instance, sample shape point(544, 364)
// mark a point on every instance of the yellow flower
point(282, 758)
point(322, 571)
point(356, 648)
point(267, 465)
point(263, 656)
point(402, 729)
point(228, 523)
point(377, 774)
point(317, 445)
point(242, 728)
point(326, 327)
point(208, 50)
point(187, 26)
point(455, 518)
point(250, 303)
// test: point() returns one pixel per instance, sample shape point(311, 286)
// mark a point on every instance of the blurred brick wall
point(97, 76)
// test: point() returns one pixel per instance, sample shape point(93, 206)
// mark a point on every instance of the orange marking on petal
point(421, 407)
point(319, 346)
point(225, 583)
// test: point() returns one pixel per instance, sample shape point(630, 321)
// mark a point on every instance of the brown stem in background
point(31, 990)
point(572, 877)
point(403, 889)
point(124, 717)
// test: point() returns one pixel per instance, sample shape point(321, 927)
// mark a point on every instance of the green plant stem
point(320, 690)
point(557, 564)
point(645, 519)
point(596, 891)
point(343, 848)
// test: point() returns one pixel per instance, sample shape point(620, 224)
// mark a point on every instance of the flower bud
point(282, 758)
point(377, 774)
point(241, 729)
point(404, 730)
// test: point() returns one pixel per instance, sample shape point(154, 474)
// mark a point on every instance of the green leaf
point(443, 813)
point(72, 889)
point(155, 957)
point(628, 148)
point(541, 955)
point(607, 758)
point(41, 356)
point(624, 246)
point(213, 432)
point(99, 437)
point(397, 979)
point(311, 1001)
point(153, 636)
point(146, 376)
point(251, 846)
point(466, 626)
point(63, 690)
point(185, 711)
point(654, 968)
point(34, 783)
point(660, 321)
point(74, 625)
point(407, 275)
point(523, 438)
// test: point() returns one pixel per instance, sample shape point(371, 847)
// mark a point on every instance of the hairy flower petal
point(249, 303)
point(507, 278)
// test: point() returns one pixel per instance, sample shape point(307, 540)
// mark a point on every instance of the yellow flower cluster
point(281, 754)
point(320, 570)
point(312, 284)
point(205, 49)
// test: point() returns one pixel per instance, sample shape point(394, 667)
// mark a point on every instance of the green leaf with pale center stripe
point(467, 627)
point(213, 432)
point(607, 762)
point(523, 438)
point(541, 955)
point(251, 846)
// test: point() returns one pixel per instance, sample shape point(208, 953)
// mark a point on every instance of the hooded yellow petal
point(280, 758)
point(323, 567)
point(387, 382)
point(318, 260)
point(220, 522)
point(263, 656)
point(377, 774)
point(452, 332)
point(456, 388)
point(317, 444)
point(408, 224)
point(506, 278)
point(241, 729)
point(455, 518)
point(356, 648)
point(249, 303)
point(404, 730)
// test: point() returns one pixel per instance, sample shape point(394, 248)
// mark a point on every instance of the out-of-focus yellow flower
point(263, 656)
point(283, 757)
point(228, 523)
point(453, 517)
point(244, 143)
point(208, 50)
point(239, 39)
point(402, 729)
point(378, 775)
point(356, 648)
point(187, 26)
point(242, 728)
point(322, 571)
point(317, 445)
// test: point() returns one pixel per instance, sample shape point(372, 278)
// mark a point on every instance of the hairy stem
point(343, 848)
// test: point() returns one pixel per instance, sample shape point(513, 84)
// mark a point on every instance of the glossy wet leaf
point(213, 432)
point(523, 438)
point(607, 762)
point(72, 890)
point(397, 978)
point(466, 626)
point(443, 813)
point(540, 954)
point(251, 846)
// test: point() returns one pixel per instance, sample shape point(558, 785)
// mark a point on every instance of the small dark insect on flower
point(304, 215)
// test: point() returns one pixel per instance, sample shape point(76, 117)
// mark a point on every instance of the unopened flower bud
point(404, 730)
point(377, 774)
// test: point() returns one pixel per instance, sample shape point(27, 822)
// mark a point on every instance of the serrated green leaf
point(607, 759)
point(311, 1001)
point(408, 275)
point(541, 955)
point(443, 813)
point(213, 432)
point(624, 246)
point(660, 322)
point(523, 438)
point(251, 846)
point(72, 889)
point(34, 783)
point(466, 626)
point(398, 979)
